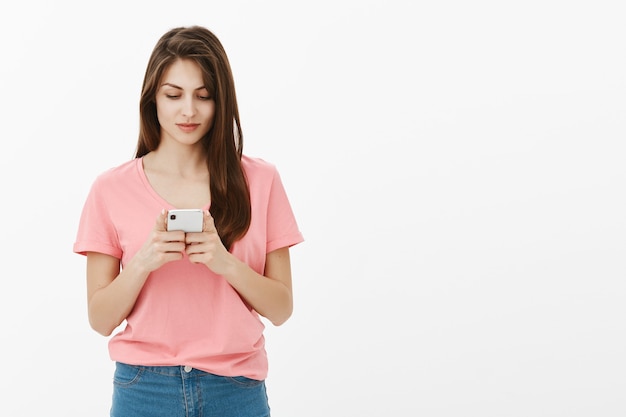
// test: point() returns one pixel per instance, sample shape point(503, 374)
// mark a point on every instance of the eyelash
point(205, 98)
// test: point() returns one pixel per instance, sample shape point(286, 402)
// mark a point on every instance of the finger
point(174, 236)
point(173, 247)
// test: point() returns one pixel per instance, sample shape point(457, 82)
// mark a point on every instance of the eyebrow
point(180, 88)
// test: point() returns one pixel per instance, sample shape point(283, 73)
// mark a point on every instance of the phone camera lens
point(172, 217)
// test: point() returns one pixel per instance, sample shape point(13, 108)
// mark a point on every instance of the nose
point(188, 109)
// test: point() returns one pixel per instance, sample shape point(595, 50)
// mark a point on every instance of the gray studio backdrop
point(456, 169)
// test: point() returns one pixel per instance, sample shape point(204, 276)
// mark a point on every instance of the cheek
point(161, 110)
point(209, 113)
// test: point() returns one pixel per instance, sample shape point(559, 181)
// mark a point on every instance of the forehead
point(184, 73)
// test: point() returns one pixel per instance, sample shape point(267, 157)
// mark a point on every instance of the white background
point(456, 167)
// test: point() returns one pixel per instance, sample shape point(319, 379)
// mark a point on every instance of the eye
point(204, 97)
point(172, 96)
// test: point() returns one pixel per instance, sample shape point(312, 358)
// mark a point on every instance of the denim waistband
point(176, 370)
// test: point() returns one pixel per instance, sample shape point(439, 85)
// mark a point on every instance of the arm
point(111, 294)
point(269, 294)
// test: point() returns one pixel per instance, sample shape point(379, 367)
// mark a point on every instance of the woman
point(192, 341)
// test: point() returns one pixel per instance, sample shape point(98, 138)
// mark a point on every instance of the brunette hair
point(230, 196)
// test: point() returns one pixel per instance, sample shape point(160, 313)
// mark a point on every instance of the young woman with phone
point(185, 308)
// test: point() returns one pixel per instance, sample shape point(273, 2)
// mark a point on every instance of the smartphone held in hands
point(187, 220)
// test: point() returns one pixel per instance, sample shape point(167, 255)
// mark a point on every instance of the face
point(185, 108)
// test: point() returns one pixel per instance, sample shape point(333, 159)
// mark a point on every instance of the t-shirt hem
point(285, 241)
point(82, 248)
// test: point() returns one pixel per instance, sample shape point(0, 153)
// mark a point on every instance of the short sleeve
point(282, 228)
point(96, 232)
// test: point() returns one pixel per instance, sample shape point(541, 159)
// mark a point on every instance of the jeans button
point(188, 368)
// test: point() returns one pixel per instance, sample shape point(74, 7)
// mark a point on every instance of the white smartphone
point(187, 220)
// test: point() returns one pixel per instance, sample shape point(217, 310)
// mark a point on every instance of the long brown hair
point(223, 144)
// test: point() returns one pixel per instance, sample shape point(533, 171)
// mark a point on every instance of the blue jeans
point(172, 391)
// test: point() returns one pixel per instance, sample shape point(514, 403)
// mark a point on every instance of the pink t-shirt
point(186, 314)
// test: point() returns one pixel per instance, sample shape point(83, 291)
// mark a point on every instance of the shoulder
point(257, 167)
point(119, 172)
point(113, 179)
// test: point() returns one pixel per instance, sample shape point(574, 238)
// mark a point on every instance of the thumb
point(160, 225)
point(208, 223)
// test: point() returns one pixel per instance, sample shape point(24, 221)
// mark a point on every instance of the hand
point(207, 248)
point(161, 246)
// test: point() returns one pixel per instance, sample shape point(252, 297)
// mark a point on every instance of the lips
point(188, 127)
